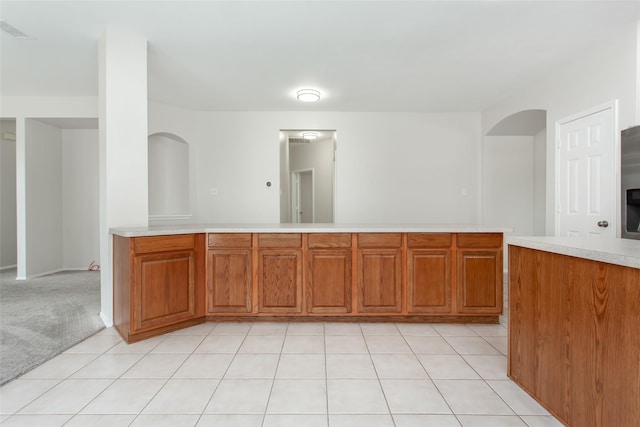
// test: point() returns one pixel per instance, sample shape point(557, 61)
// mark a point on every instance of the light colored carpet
point(44, 316)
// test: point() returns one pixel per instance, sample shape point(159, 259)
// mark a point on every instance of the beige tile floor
point(279, 374)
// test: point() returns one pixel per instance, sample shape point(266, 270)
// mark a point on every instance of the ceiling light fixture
point(309, 135)
point(13, 31)
point(308, 95)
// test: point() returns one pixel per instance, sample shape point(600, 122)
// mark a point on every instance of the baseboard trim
point(7, 267)
point(107, 322)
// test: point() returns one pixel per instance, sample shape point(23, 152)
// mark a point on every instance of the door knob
point(603, 224)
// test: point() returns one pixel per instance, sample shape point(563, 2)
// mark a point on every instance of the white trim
point(105, 319)
point(33, 276)
point(613, 106)
point(165, 217)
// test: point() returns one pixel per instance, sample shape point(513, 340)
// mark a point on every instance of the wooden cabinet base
point(395, 318)
point(131, 338)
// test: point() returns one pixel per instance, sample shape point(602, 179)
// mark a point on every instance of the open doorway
point(307, 176)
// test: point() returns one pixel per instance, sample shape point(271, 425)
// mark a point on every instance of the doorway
point(302, 197)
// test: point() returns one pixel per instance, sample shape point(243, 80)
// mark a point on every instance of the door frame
point(295, 194)
point(613, 107)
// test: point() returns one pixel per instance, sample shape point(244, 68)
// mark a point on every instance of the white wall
point(80, 204)
point(317, 155)
point(8, 230)
point(605, 72)
point(390, 167)
point(168, 176)
point(539, 178)
point(43, 198)
point(508, 183)
point(285, 186)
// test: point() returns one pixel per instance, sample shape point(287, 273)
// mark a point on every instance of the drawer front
point(329, 240)
point(164, 243)
point(232, 240)
point(480, 240)
point(280, 240)
point(429, 240)
point(379, 240)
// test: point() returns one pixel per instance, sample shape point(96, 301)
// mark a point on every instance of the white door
point(303, 197)
point(585, 174)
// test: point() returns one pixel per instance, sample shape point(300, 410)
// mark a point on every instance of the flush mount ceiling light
point(309, 135)
point(308, 95)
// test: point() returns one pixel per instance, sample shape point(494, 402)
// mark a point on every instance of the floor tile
point(387, 344)
point(414, 397)
point(429, 345)
point(541, 421)
point(336, 328)
point(447, 367)
point(18, 393)
point(220, 344)
point(253, 366)
point(490, 421)
point(519, 401)
point(471, 345)
point(379, 329)
point(301, 366)
point(350, 366)
point(108, 366)
point(36, 420)
point(398, 366)
point(165, 420)
point(102, 420)
point(201, 329)
point(305, 328)
point(156, 366)
point(60, 366)
point(356, 396)
point(472, 397)
point(488, 367)
point(291, 420)
point(262, 344)
point(269, 328)
point(204, 365)
point(231, 328)
point(125, 396)
point(420, 420)
point(178, 344)
point(345, 344)
point(96, 344)
point(489, 330)
point(499, 343)
point(360, 420)
point(454, 330)
point(240, 396)
point(68, 397)
point(182, 396)
point(230, 420)
point(108, 331)
point(303, 344)
point(140, 347)
point(417, 329)
point(298, 397)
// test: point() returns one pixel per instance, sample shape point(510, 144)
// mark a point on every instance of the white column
point(123, 145)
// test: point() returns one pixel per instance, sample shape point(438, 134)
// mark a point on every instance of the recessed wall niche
point(168, 177)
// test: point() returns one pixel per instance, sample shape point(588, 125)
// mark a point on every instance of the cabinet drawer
point(164, 243)
point(429, 240)
point(379, 240)
point(280, 240)
point(233, 240)
point(329, 240)
point(480, 240)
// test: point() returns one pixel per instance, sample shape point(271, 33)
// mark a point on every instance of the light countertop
point(625, 252)
point(163, 230)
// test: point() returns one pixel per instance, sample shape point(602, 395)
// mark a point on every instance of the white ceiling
point(422, 56)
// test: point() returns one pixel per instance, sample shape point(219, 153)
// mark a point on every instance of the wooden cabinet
point(429, 273)
point(157, 281)
point(328, 268)
point(229, 273)
point(280, 273)
point(479, 273)
point(380, 272)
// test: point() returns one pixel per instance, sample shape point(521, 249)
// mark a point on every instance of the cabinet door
point(164, 289)
point(429, 281)
point(229, 281)
point(379, 280)
point(329, 281)
point(280, 281)
point(479, 281)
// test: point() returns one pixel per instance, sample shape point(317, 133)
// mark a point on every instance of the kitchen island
point(574, 316)
point(170, 277)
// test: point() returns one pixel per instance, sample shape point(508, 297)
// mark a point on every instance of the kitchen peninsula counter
point(169, 277)
point(574, 314)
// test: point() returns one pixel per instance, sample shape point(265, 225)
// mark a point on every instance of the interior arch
point(169, 188)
